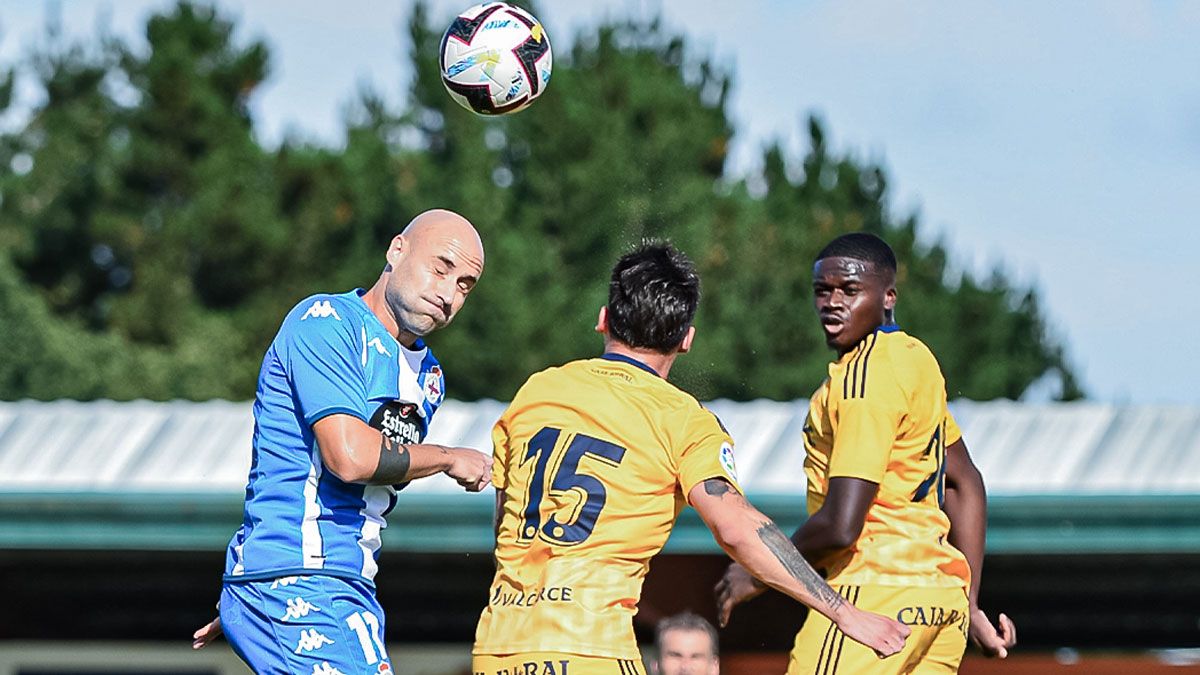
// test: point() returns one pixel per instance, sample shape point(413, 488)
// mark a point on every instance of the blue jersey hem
point(271, 575)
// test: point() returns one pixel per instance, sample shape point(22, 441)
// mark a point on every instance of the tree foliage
point(150, 244)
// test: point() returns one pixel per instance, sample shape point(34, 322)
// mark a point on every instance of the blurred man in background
point(686, 645)
point(593, 462)
point(345, 396)
point(897, 510)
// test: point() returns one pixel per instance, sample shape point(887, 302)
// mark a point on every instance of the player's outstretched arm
point(754, 541)
point(828, 532)
point(966, 505)
point(357, 453)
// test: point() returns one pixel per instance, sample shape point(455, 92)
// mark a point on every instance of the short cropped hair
point(652, 297)
point(862, 246)
point(685, 621)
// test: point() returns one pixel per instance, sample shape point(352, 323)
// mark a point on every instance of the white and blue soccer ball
point(495, 59)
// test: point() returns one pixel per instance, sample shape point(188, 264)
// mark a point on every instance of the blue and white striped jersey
point(331, 355)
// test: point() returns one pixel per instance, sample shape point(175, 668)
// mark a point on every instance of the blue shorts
point(309, 625)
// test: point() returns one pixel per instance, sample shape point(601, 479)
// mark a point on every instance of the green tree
point(54, 176)
point(155, 244)
point(626, 145)
point(990, 337)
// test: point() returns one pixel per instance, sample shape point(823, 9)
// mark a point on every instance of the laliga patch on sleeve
point(727, 461)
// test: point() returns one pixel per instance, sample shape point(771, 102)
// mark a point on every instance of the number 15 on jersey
point(547, 453)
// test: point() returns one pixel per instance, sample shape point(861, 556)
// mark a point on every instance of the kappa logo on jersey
point(297, 608)
point(400, 422)
point(321, 309)
point(285, 581)
point(311, 640)
point(323, 668)
point(433, 384)
point(727, 461)
point(374, 342)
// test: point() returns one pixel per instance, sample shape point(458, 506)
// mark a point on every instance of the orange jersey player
point(593, 462)
point(887, 473)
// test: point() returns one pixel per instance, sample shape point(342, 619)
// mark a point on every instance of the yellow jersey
point(595, 460)
point(881, 416)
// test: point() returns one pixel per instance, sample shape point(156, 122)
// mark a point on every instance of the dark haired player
point(593, 461)
point(888, 476)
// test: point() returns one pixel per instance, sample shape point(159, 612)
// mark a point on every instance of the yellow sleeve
point(953, 433)
point(707, 452)
point(500, 452)
point(866, 427)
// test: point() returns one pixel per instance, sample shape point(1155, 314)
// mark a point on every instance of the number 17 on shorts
point(305, 624)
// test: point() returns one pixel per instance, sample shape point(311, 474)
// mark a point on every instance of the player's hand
point(883, 634)
point(207, 633)
point(471, 468)
point(736, 587)
point(993, 643)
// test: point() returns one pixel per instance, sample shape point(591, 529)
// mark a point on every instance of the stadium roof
point(1066, 476)
point(1022, 449)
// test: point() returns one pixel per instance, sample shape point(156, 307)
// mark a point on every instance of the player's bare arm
point(357, 453)
point(831, 530)
point(838, 523)
point(966, 505)
point(754, 541)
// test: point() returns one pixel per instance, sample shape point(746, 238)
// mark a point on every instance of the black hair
point(652, 297)
point(862, 246)
point(684, 621)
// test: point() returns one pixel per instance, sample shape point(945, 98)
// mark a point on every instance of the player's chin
point(424, 324)
point(835, 340)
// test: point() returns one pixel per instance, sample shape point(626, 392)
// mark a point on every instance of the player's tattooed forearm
point(394, 460)
point(785, 551)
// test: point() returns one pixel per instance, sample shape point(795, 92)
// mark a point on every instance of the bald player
point(345, 395)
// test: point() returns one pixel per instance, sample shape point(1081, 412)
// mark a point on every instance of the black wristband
point(394, 461)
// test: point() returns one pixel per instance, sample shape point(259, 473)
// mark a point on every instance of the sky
point(1058, 141)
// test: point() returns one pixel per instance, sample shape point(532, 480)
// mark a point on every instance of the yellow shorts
point(938, 618)
point(553, 663)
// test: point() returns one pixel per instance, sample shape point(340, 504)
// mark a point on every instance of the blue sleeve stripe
point(333, 410)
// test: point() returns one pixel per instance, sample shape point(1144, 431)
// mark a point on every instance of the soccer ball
point(495, 59)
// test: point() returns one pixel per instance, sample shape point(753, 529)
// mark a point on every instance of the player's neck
point(659, 362)
point(377, 303)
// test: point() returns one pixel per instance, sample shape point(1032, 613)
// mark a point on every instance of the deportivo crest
point(433, 385)
point(727, 462)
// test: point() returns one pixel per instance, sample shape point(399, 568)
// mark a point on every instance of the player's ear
point(396, 249)
point(687, 340)
point(889, 299)
point(602, 321)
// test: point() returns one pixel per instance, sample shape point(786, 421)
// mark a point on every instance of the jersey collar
point(885, 328)
point(610, 356)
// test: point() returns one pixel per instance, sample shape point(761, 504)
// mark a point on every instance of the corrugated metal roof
point(1083, 447)
point(1022, 449)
